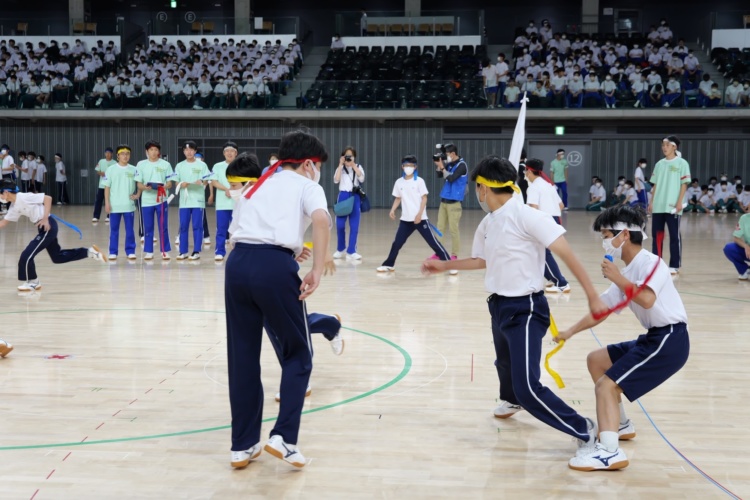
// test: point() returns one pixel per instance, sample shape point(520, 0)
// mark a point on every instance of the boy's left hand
point(329, 267)
point(43, 224)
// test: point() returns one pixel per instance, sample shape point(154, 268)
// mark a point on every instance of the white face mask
point(610, 249)
point(316, 176)
point(598, 184)
point(482, 204)
point(408, 171)
point(723, 178)
point(236, 194)
point(3, 200)
point(622, 183)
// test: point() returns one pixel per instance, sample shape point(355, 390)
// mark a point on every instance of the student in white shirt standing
point(636, 367)
point(542, 195)
point(262, 284)
point(510, 244)
point(101, 172)
point(411, 192)
point(640, 182)
point(349, 176)
point(62, 181)
point(40, 175)
point(37, 208)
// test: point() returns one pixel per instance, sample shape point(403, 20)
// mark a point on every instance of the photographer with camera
point(453, 169)
point(349, 176)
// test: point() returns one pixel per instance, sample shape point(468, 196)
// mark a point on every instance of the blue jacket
point(455, 186)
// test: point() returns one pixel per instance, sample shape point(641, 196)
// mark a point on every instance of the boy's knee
point(605, 385)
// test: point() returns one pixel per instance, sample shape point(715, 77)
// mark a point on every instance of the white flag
point(519, 135)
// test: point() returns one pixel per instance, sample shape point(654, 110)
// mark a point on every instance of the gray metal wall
point(380, 147)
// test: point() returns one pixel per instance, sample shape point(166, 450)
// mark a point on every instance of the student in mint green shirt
point(101, 171)
point(119, 186)
point(191, 177)
point(559, 171)
point(224, 201)
point(670, 179)
point(738, 251)
point(153, 180)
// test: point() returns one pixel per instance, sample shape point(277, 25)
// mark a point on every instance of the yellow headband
point(234, 178)
point(122, 149)
point(496, 184)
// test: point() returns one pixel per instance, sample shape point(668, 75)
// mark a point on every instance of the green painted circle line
point(404, 371)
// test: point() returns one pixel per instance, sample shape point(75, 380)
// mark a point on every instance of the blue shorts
point(641, 365)
point(491, 90)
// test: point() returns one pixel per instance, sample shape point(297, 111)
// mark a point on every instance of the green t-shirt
point(148, 171)
point(193, 196)
point(743, 228)
point(219, 173)
point(102, 166)
point(668, 176)
point(121, 184)
point(557, 169)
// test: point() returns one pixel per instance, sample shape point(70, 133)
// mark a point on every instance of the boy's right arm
point(561, 248)
point(396, 203)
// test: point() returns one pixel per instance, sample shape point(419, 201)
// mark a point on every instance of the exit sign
point(559, 130)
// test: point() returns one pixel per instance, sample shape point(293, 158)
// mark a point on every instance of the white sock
point(623, 417)
point(609, 440)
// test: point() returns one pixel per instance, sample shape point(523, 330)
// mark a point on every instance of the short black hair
point(644, 160)
point(299, 145)
point(451, 148)
point(245, 165)
point(231, 144)
point(535, 164)
point(621, 178)
point(153, 144)
point(497, 169)
point(675, 139)
point(409, 159)
point(694, 179)
point(632, 216)
point(704, 187)
point(191, 145)
point(8, 185)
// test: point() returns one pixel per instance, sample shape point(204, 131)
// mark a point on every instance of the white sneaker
point(307, 393)
point(287, 452)
point(353, 256)
point(338, 255)
point(385, 269)
point(557, 289)
point(155, 240)
point(106, 220)
point(241, 459)
point(5, 348)
point(142, 239)
point(30, 286)
point(182, 256)
point(218, 258)
point(177, 240)
point(194, 256)
point(165, 256)
point(206, 241)
point(112, 256)
point(148, 256)
point(626, 431)
point(673, 271)
point(506, 410)
point(94, 220)
point(453, 272)
point(744, 277)
point(587, 447)
point(59, 203)
point(337, 344)
point(131, 256)
point(96, 254)
point(599, 459)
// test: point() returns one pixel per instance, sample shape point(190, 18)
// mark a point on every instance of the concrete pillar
point(590, 16)
point(413, 8)
point(242, 17)
point(75, 13)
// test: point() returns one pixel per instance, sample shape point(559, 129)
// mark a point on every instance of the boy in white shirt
point(726, 199)
point(411, 192)
point(574, 98)
point(733, 94)
point(633, 368)
point(597, 196)
point(707, 202)
point(743, 200)
point(40, 175)
point(489, 77)
point(37, 208)
point(61, 179)
point(674, 91)
point(511, 95)
point(693, 195)
point(608, 89)
point(509, 243)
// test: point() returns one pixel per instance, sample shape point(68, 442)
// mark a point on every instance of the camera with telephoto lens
point(442, 155)
point(348, 158)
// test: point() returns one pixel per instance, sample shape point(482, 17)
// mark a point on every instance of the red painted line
point(149, 390)
point(115, 413)
point(50, 474)
point(472, 367)
point(84, 439)
point(32, 496)
point(66, 456)
point(163, 381)
point(99, 426)
point(175, 372)
point(136, 399)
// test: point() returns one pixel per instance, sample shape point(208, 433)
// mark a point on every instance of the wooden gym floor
point(117, 385)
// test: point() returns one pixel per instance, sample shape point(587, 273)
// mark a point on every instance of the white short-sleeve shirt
point(410, 191)
point(279, 212)
point(512, 241)
point(26, 204)
point(347, 174)
point(667, 309)
point(544, 195)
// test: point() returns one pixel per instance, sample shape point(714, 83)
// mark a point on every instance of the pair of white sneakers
point(275, 446)
point(591, 455)
point(349, 256)
point(34, 285)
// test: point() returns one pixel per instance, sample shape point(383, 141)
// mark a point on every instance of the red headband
point(272, 170)
point(540, 173)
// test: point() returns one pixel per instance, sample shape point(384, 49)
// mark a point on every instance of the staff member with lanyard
point(349, 176)
point(455, 172)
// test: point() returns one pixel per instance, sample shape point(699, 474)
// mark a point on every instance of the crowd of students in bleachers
point(573, 71)
point(198, 75)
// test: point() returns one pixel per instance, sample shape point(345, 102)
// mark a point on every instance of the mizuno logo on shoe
point(605, 460)
point(289, 452)
point(623, 427)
